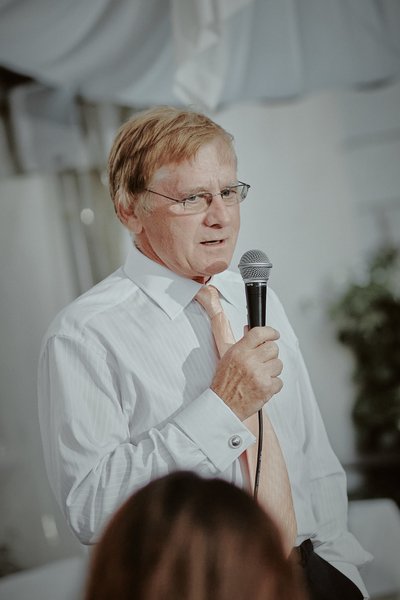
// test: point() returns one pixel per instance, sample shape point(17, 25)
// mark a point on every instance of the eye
point(228, 192)
point(192, 199)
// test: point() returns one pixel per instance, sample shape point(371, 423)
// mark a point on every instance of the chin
point(217, 266)
point(211, 269)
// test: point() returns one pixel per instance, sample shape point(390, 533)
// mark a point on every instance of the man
point(130, 384)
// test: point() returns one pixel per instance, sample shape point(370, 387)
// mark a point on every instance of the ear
point(130, 218)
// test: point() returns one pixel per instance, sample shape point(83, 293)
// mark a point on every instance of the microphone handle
point(256, 298)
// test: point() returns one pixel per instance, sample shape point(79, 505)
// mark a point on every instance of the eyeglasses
point(197, 203)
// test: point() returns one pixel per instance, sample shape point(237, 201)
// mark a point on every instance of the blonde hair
point(153, 138)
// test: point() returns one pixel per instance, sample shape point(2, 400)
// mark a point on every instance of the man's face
point(193, 245)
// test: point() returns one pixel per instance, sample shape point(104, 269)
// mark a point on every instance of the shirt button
point(235, 441)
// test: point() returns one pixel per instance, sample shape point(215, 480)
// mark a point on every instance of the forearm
point(103, 440)
point(90, 491)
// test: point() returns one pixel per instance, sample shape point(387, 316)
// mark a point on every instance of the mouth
point(213, 243)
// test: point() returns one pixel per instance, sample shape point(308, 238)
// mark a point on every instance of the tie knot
point(208, 297)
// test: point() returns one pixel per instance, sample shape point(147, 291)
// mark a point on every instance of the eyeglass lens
point(230, 195)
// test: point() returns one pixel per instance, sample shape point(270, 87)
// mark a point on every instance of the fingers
point(261, 341)
point(259, 335)
point(267, 351)
point(248, 374)
point(273, 368)
point(276, 386)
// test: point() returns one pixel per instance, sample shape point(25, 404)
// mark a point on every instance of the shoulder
point(87, 312)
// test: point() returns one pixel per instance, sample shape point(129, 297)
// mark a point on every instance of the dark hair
point(186, 538)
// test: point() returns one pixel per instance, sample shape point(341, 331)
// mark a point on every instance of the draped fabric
point(208, 52)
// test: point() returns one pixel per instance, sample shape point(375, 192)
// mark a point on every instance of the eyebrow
point(202, 189)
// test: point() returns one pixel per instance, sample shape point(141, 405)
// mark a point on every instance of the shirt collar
point(230, 287)
point(170, 291)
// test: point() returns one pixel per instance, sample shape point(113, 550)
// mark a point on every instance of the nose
point(218, 214)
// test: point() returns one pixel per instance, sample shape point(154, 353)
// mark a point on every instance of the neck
point(200, 279)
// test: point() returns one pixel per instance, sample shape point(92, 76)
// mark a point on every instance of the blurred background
point(310, 90)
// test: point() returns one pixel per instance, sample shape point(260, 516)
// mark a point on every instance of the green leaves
point(367, 316)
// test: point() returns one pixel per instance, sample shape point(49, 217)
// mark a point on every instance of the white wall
point(36, 281)
point(306, 162)
point(299, 211)
point(313, 166)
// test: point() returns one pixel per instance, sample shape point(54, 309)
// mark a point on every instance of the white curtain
point(204, 52)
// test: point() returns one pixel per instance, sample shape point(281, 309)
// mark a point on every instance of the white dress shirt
point(124, 398)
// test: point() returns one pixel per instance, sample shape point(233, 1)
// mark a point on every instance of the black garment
point(323, 581)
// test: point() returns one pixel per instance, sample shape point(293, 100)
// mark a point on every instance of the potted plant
point(367, 316)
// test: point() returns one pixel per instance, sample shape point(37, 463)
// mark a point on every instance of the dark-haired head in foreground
point(186, 538)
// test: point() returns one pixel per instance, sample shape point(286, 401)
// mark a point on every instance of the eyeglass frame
point(207, 195)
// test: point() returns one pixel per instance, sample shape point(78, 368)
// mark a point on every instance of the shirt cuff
point(215, 428)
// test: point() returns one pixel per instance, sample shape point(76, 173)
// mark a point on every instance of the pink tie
point(274, 487)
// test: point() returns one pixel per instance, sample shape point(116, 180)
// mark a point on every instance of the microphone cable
point(259, 454)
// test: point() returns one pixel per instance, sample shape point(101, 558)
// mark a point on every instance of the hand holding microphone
point(247, 375)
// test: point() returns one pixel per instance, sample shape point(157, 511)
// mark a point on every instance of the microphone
point(254, 267)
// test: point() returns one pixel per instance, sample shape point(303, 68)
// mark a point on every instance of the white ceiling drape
point(204, 52)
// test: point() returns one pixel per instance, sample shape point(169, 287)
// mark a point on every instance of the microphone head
point(254, 266)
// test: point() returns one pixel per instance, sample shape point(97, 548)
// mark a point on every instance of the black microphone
point(254, 267)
